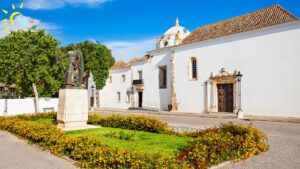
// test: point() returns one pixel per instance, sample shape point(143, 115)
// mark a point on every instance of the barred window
point(193, 69)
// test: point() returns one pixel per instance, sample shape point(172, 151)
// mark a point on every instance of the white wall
point(268, 58)
point(2, 106)
point(153, 97)
point(21, 106)
point(108, 95)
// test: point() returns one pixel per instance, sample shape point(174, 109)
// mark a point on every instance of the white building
point(200, 72)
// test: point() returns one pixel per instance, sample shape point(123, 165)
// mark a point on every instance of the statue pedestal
point(73, 109)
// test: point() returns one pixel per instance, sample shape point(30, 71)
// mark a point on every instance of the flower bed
point(89, 152)
point(211, 146)
point(227, 142)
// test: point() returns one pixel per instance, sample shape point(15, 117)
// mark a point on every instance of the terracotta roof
point(122, 64)
point(119, 65)
point(139, 59)
point(259, 19)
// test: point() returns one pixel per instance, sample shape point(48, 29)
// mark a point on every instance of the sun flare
point(12, 16)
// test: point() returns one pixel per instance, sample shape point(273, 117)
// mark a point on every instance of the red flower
point(181, 157)
point(213, 147)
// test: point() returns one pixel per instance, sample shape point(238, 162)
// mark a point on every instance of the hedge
point(139, 123)
point(211, 147)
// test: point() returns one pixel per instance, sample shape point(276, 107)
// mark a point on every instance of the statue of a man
point(75, 70)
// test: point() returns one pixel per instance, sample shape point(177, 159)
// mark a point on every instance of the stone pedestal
point(72, 109)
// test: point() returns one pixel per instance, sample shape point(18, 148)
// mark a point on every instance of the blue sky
point(129, 27)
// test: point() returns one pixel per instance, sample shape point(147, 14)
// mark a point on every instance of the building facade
point(247, 64)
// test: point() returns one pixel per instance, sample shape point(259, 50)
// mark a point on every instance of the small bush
point(139, 123)
point(122, 135)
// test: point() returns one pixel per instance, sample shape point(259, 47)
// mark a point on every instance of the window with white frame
point(128, 97)
point(140, 75)
point(193, 69)
point(123, 78)
point(118, 96)
point(163, 77)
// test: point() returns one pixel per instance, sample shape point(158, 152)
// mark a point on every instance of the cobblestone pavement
point(17, 154)
point(283, 138)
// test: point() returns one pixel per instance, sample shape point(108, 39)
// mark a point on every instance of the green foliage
point(140, 123)
point(97, 58)
point(122, 135)
point(89, 152)
point(28, 57)
point(227, 142)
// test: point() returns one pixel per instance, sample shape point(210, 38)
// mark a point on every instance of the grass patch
point(136, 140)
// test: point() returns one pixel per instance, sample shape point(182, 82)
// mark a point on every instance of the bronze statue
point(75, 71)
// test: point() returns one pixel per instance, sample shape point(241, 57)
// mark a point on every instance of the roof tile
point(259, 19)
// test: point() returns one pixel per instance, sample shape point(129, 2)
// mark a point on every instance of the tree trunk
point(36, 100)
point(97, 98)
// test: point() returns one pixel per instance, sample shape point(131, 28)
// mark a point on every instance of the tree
point(97, 59)
point(29, 60)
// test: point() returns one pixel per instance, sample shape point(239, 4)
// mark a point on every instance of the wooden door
point(225, 97)
point(140, 99)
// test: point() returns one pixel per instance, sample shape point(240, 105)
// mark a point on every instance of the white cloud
point(24, 23)
point(125, 50)
point(54, 4)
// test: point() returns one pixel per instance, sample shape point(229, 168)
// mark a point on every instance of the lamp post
point(6, 97)
point(92, 98)
point(239, 79)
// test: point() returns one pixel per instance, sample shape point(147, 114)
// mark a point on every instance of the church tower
point(172, 36)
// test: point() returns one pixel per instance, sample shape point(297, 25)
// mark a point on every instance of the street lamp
point(93, 87)
point(239, 79)
point(239, 76)
point(92, 98)
point(6, 97)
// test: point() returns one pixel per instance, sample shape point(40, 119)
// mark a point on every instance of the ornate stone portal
point(225, 93)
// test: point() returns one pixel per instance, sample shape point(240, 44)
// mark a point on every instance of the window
point(166, 43)
point(140, 75)
point(163, 77)
point(128, 97)
point(119, 96)
point(193, 67)
point(123, 78)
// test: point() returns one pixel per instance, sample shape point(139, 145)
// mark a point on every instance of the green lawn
point(135, 140)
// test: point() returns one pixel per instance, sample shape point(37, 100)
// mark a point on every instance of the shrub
point(37, 116)
point(140, 123)
point(227, 142)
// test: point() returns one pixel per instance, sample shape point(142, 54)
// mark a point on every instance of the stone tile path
point(17, 154)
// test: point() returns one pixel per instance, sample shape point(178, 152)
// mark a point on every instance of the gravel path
point(17, 154)
point(283, 138)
